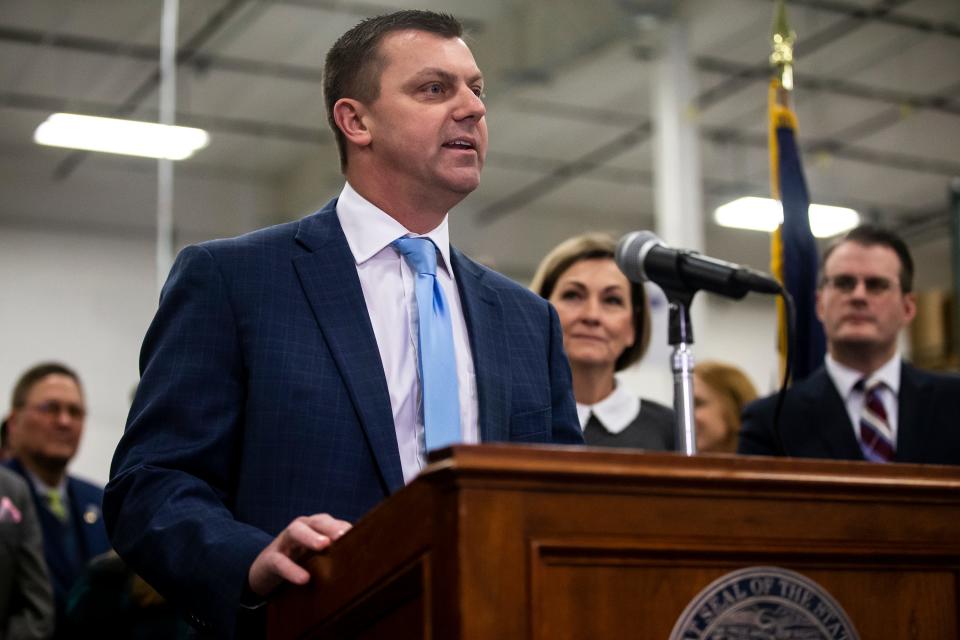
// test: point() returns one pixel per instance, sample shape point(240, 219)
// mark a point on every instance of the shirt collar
point(370, 229)
point(42, 488)
point(616, 412)
point(845, 378)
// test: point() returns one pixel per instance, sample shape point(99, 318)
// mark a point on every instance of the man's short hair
point(35, 374)
point(354, 62)
point(870, 235)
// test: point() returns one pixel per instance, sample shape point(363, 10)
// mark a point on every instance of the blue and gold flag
point(794, 259)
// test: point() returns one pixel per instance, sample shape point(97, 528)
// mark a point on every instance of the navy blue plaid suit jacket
point(263, 398)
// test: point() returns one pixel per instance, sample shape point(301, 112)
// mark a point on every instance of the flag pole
point(793, 254)
point(778, 104)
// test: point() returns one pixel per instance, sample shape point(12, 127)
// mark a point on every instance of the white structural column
point(168, 108)
point(679, 203)
point(676, 154)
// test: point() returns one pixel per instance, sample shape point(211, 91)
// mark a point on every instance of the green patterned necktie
point(56, 506)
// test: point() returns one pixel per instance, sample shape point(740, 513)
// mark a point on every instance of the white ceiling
point(878, 100)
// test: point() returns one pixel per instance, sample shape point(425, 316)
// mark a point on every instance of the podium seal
point(764, 603)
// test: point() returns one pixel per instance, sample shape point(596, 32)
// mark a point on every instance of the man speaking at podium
point(295, 377)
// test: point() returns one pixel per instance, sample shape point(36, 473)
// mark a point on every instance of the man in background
point(866, 403)
point(47, 413)
point(296, 376)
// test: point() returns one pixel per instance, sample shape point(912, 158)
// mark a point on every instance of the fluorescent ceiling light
point(766, 214)
point(127, 137)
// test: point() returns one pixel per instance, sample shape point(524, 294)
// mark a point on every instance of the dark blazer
point(653, 429)
point(26, 597)
point(68, 547)
point(263, 398)
point(815, 423)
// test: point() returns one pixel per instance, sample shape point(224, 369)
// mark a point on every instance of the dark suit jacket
point(68, 547)
point(654, 429)
point(26, 597)
point(263, 398)
point(815, 423)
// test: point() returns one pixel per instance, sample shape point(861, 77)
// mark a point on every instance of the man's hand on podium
point(302, 537)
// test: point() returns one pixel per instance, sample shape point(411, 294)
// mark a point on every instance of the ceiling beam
point(149, 53)
point(589, 161)
point(150, 84)
point(744, 75)
point(213, 123)
point(367, 10)
point(204, 62)
point(945, 101)
point(319, 136)
point(839, 149)
point(563, 174)
point(557, 172)
point(859, 12)
point(819, 40)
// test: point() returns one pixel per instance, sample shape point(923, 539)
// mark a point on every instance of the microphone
point(642, 256)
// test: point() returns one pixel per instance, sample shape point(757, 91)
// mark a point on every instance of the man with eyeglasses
point(44, 428)
point(865, 403)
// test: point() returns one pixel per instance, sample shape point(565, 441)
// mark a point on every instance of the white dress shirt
point(43, 489)
point(845, 379)
point(388, 288)
point(616, 412)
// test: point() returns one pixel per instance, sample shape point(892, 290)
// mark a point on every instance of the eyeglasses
point(845, 283)
point(52, 409)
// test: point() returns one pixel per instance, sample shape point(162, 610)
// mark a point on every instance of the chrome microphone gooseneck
point(642, 256)
point(681, 364)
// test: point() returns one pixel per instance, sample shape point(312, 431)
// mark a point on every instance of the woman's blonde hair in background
point(734, 388)
point(595, 246)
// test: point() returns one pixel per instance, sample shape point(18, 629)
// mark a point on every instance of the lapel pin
point(91, 514)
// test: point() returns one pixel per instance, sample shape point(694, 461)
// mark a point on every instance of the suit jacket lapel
point(829, 417)
point(329, 278)
point(911, 417)
point(484, 316)
point(85, 516)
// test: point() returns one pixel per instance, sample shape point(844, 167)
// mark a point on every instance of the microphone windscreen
point(631, 251)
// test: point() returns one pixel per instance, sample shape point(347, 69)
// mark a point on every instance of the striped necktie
point(438, 367)
point(876, 436)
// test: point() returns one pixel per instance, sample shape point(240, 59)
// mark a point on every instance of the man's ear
point(909, 307)
point(349, 115)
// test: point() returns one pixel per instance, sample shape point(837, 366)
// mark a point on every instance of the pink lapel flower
point(9, 511)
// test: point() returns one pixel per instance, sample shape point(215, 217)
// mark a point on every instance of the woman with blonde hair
point(606, 327)
point(720, 392)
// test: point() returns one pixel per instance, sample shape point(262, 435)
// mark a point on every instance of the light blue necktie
point(438, 367)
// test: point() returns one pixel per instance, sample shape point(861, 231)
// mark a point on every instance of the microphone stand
point(681, 338)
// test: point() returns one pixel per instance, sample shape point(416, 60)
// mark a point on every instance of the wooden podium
point(506, 541)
